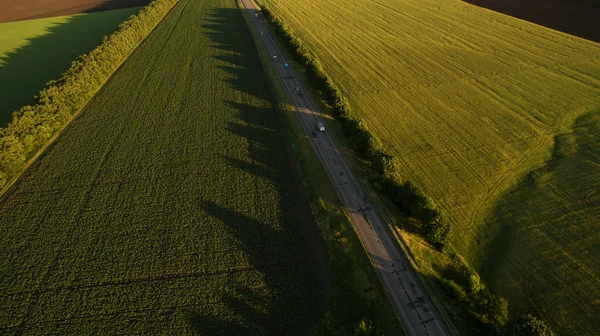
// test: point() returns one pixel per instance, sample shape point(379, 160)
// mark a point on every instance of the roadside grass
point(166, 206)
point(470, 101)
point(32, 52)
point(355, 293)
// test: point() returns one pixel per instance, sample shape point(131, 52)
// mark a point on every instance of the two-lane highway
point(398, 278)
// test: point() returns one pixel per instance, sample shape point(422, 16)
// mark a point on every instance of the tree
point(492, 309)
point(475, 284)
point(436, 227)
point(364, 328)
point(528, 325)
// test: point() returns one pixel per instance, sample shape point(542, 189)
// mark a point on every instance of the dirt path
point(15, 10)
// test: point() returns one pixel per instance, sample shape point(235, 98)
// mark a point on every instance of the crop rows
point(166, 206)
point(470, 101)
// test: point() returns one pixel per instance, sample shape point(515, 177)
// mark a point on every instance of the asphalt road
point(401, 284)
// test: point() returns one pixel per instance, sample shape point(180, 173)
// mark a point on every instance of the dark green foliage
point(407, 196)
point(462, 284)
point(492, 309)
point(528, 325)
point(364, 328)
point(363, 140)
point(32, 126)
point(453, 290)
point(411, 200)
point(436, 228)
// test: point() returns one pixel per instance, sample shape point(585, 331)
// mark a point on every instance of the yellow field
point(473, 103)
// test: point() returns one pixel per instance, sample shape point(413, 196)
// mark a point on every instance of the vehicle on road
point(255, 15)
point(321, 127)
point(275, 58)
point(298, 91)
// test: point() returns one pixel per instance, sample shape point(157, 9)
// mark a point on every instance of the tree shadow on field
point(239, 298)
point(257, 126)
point(286, 300)
point(229, 33)
point(575, 17)
point(25, 71)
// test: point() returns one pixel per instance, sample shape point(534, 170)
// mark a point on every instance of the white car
point(275, 58)
point(321, 127)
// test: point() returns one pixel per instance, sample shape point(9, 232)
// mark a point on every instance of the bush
point(492, 309)
point(32, 126)
point(528, 325)
point(364, 328)
point(453, 290)
point(465, 276)
point(437, 229)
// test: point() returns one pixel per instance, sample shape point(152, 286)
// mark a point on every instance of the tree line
point(32, 126)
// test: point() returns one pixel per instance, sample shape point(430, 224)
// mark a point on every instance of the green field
point(32, 52)
point(166, 207)
point(478, 107)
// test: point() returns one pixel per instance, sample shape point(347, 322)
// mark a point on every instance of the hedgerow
point(32, 126)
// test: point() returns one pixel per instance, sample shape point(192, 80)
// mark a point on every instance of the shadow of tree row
point(25, 71)
point(291, 293)
point(575, 17)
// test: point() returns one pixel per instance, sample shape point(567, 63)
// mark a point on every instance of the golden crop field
point(495, 119)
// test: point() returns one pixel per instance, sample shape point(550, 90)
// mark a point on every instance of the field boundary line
point(33, 160)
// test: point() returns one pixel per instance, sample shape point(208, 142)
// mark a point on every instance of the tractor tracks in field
point(158, 278)
point(591, 198)
point(476, 213)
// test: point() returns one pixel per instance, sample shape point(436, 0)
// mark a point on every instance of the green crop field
point(166, 207)
point(32, 52)
point(494, 118)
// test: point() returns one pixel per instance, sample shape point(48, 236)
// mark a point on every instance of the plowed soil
point(576, 17)
point(14, 10)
